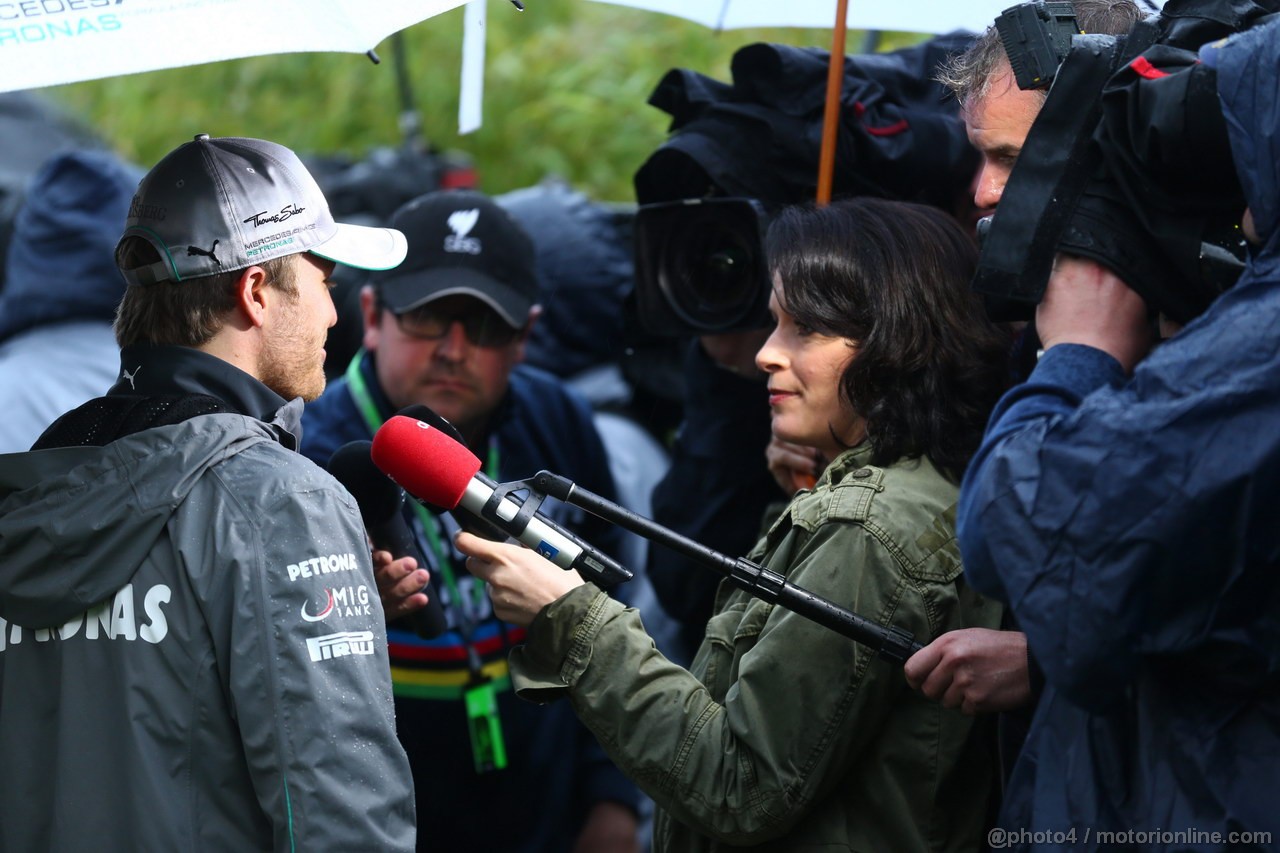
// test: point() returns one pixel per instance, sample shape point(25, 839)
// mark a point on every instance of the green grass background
point(565, 93)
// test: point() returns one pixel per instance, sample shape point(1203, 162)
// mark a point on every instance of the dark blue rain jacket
point(1134, 528)
point(61, 263)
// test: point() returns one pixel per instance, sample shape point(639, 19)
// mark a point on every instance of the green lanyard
point(488, 745)
point(430, 524)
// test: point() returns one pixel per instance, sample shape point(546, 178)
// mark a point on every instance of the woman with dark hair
point(892, 279)
point(785, 735)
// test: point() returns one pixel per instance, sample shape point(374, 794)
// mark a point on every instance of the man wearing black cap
point(470, 263)
point(447, 329)
point(192, 650)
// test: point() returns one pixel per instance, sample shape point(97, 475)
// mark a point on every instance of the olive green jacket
point(785, 734)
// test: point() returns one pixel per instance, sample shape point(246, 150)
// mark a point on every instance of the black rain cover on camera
point(1055, 164)
point(1173, 196)
point(1149, 190)
point(759, 137)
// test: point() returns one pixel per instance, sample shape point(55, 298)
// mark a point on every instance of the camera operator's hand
point(977, 670)
point(793, 466)
point(1086, 303)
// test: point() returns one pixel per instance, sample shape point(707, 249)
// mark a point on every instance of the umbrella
point(59, 41)
point(914, 16)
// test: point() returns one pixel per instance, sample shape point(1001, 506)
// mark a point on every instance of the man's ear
point(535, 311)
point(253, 295)
point(372, 317)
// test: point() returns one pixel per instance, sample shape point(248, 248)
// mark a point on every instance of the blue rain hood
point(1248, 64)
point(61, 261)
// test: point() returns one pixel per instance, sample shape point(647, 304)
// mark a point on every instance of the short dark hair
point(969, 74)
point(183, 313)
point(894, 277)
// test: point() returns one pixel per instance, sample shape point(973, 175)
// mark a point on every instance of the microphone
point(438, 470)
point(380, 501)
point(467, 521)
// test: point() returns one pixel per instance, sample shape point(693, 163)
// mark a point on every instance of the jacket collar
point(152, 370)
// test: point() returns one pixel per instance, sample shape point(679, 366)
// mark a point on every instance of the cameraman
point(1130, 525)
point(997, 114)
point(978, 670)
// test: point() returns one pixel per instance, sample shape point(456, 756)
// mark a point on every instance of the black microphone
point(381, 501)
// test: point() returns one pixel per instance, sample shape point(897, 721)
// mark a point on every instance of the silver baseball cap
point(217, 205)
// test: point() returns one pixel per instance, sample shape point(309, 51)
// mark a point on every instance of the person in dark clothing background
point(60, 291)
point(978, 670)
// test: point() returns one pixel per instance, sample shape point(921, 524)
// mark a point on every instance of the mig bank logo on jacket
point(338, 602)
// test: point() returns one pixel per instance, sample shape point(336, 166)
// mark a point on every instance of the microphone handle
point(542, 535)
point(890, 642)
point(394, 535)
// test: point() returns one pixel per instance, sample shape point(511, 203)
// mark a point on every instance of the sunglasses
point(482, 326)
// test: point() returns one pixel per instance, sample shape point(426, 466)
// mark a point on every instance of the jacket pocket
point(730, 634)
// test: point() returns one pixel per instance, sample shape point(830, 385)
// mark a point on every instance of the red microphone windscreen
point(424, 461)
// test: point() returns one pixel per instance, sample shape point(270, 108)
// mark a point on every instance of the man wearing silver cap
point(447, 329)
point(192, 651)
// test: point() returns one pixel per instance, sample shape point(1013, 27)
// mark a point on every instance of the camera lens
point(724, 264)
point(700, 266)
point(711, 274)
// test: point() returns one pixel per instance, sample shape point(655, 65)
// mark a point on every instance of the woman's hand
point(521, 583)
point(793, 466)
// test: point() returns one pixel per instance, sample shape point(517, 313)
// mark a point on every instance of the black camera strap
point(1046, 182)
point(1036, 36)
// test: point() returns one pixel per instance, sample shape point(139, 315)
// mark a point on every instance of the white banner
point(48, 42)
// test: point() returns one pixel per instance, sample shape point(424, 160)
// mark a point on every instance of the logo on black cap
point(461, 222)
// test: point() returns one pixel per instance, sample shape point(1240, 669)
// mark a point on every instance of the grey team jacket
point(192, 651)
